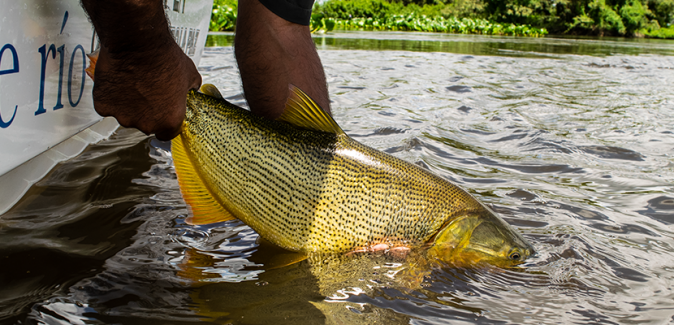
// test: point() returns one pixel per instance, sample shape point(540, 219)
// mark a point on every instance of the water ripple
point(569, 140)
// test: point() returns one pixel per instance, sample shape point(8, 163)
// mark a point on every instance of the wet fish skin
point(301, 183)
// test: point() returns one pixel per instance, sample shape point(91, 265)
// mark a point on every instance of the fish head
point(478, 237)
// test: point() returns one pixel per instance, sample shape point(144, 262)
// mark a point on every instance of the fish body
point(301, 183)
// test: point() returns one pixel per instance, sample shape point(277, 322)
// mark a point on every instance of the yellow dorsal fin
point(204, 207)
point(210, 90)
point(303, 112)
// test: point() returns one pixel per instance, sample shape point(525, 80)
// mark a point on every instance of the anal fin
point(204, 208)
point(275, 257)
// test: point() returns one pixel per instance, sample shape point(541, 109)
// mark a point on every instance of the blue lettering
point(70, 76)
point(61, 51)
point(4, 125)
point(65, 19)
point(45, 55)
point(15, 67)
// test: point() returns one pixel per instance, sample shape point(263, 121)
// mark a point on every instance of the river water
point(570, 140)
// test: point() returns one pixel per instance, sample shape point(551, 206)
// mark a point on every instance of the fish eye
point(515, 256)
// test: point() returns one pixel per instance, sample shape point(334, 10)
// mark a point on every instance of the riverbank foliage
point(223, 17)
point(652, 18)
point(380, 15)
point(414, 22)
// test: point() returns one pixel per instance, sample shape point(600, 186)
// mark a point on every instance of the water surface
point(569, 140)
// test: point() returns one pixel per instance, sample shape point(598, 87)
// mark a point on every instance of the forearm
point(272, 53)
point(129, 25)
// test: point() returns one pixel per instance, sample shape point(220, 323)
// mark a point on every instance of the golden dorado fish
point(301, 183)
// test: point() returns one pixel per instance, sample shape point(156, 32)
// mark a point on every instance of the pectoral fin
point(204, 207)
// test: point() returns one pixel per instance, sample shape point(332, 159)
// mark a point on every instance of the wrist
point(129, 25)
point(161, 53)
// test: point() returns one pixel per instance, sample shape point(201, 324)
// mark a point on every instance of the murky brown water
point(571, 141)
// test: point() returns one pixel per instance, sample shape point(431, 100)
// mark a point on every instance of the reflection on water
point(569, 140)
point(477, 44)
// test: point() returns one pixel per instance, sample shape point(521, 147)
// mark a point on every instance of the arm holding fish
point(142, 76)
point(272, 53)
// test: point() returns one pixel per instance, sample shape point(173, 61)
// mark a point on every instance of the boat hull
point(46, 108)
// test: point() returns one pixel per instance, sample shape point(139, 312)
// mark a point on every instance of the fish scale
point(313, 191)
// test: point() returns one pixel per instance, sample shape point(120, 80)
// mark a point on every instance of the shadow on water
point(59, 233)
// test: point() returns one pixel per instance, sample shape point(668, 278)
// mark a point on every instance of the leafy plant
point(384, 15)
point(663, 11)
point(413, 22)
point(321, 24)
point(661, 32)
point(223, 17)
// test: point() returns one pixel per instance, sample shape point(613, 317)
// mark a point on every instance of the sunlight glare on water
point(570, 141)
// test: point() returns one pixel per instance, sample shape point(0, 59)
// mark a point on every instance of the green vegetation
point(661, 33)
point(414, 22)
point(651, 18)
point(224, 15)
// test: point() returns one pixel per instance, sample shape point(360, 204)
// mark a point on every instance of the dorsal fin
point(211, 90)
point(204, 207)
point(303, 112)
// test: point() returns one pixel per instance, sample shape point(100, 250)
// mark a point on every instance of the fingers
point(194, 77)
point(145, 91)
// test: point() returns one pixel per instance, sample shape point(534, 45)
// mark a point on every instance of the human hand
point(142, 77)
point(145, 90)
